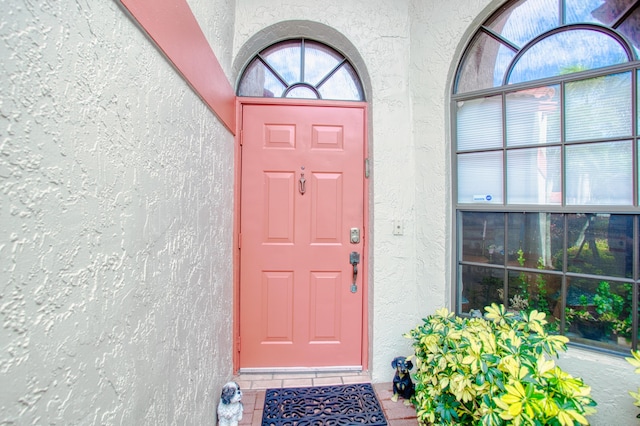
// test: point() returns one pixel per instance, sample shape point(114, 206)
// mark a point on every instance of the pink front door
point(302, 196)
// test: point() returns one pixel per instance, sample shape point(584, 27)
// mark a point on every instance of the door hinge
point(238, 344)
point(241, 136)
point(239, 241)
point(366, 168)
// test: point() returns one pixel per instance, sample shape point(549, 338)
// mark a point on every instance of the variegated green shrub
point(494, 370)
point(635, 361)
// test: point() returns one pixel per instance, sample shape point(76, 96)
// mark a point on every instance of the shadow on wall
point(611, 378)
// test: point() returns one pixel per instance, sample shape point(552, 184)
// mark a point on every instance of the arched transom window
point(301, 68)
point(546, 166)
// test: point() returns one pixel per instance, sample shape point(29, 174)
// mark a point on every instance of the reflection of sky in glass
point(258, 80)
point(272, 85)
point(320, 63)
point(301, 92)
point(342, 85)
point(581, 10)
point(572, 50)
point(528, 20)
point(525, 20)
point(286, 62)
point(503, 60)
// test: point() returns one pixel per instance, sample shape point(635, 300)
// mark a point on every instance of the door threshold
point(278, 370)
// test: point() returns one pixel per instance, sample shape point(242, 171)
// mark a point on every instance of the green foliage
point(586, 263)
point(494, 371)
point(608, 309)
point(635, 361)
point(622, 326)
point(606, 301)
point(541, 284)
point(532, 295)
point(522, 277)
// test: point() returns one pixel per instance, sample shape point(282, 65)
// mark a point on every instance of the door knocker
point(302, 182)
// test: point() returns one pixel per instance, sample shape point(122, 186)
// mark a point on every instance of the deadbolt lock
point(355, 235)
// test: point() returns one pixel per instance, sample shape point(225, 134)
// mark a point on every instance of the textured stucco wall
point(216, 19)
point(438, 35)
point(116, 209)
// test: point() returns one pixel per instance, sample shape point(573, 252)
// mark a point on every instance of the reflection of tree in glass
point(588, 236)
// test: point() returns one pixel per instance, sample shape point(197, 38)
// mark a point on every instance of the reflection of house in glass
point(623, 16)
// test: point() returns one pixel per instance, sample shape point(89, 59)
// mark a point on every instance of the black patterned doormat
point(323, 405)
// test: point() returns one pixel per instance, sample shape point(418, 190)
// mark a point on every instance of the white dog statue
point(230, 406)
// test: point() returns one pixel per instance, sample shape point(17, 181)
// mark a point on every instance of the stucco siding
point(216, 18)
point(116, 209)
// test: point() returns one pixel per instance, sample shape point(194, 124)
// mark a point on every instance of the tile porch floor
point(254, 385)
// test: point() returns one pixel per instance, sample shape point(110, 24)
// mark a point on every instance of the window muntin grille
point(302, 69)
point(546, 155)
point(581, 34)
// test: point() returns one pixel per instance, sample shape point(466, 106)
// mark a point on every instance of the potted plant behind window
point(531, 293)
point(622, 325)
point(622, 330)
point(596, 316)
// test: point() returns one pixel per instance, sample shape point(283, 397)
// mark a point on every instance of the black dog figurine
point(402, 384)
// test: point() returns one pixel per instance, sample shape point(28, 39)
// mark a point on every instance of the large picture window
point(546, 163)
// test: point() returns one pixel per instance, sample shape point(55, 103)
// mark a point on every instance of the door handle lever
point(354, 259)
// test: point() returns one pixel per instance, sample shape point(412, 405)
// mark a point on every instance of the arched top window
point(545, 166)
point(302, 69)
point(535, 39)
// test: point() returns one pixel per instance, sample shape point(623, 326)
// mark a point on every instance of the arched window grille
point(301, 68)
point(546, 161)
